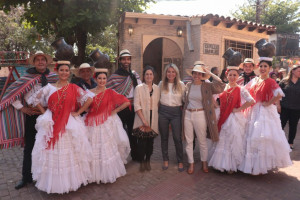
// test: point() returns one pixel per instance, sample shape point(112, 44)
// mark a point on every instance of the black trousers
point(29, 139)
point(293, 117)
point(145, 148)
point(127, 118)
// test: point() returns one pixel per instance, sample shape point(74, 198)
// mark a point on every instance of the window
point(246, 49)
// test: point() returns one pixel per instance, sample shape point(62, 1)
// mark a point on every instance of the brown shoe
point(204, 167)
point(191, 168)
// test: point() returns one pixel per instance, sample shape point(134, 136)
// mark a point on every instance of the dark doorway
point(153, 57)
point(159, 53)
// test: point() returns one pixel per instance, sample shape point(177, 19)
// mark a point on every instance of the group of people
point(82, 133)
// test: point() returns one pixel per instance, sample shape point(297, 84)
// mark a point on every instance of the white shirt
point(170, 98)
point(28, 97)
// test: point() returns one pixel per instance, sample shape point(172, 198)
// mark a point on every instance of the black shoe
point(142, 166)
point(20, 184)
point(147, 165)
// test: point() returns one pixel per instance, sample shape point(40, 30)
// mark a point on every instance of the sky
point(194, 7)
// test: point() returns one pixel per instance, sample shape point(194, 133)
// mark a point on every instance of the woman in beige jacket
point(199, 113)
point(146, 99)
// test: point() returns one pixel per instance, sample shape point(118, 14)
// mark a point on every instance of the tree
point(284, 14)
point(74, 19)
point(17, 35)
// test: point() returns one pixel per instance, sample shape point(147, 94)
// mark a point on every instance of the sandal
point(204, 167)
point(191, 168)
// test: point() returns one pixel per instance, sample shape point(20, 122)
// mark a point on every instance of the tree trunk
point(81, 38)
point(258, 11)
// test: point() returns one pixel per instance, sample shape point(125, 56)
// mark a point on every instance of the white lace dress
point(65, 167)
point(229, 151)
point(110, 145)
point(266, 144)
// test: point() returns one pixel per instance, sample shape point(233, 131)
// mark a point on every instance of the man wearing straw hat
point(85, 73)
point(19, 96)
point(124, 81)
point(248, 74)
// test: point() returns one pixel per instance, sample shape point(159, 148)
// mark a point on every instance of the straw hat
point(124, 53)
point(295, 66)
point(39, 53)
point(282, 70)
point(199, 68)
point(101, 70)
point(198, 62)
point(83, 66)
point(232, 67)
point(247, 60)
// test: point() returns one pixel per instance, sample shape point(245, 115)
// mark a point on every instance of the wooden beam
point(217, 22)
point(251, 28)
point(261, 29)
point(241, 26)
point(204, 20)
point(229, 24)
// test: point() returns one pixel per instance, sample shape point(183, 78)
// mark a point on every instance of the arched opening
point(159, 53)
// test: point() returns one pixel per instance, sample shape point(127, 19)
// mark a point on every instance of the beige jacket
point(142, 102)
point(207, 91)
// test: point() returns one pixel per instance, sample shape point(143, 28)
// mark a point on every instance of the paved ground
point(169, 184)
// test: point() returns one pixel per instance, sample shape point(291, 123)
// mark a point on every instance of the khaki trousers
point(195, 121)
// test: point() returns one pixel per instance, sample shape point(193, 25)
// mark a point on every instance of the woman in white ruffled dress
point(229, 151)
point(62, 153)
point(106, 134)
point(266, 145)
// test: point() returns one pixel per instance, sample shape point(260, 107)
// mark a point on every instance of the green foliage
point(284, 14)
point(18, 35)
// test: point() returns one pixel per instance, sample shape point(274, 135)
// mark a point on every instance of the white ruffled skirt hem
point(229, 151)
point(65, 167)
point(111, 148)
point(266, 144)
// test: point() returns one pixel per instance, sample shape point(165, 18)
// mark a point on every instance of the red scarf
point(229, 100)
point(264, 91)
point(102, 106)
point(61, 104)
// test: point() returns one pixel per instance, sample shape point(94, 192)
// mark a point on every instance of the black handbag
point(144, 132)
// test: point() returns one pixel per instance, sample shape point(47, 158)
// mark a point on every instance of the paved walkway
point(169, 184)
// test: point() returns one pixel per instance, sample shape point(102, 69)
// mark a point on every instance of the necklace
point(228, 94)
point(98, 100)
point(64, 88)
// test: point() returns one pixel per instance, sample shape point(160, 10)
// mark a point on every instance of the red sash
point(229, 100)
point(102, 106)
point(61, 104)
point(264, 91)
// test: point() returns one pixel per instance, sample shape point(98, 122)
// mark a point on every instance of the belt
point(195, 110)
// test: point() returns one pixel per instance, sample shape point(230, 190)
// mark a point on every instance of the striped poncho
point(121, 84)
point(11, 120)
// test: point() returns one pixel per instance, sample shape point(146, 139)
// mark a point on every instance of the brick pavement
point(169, 184)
